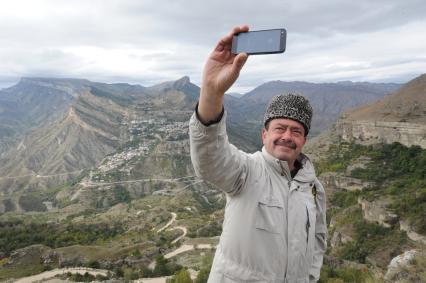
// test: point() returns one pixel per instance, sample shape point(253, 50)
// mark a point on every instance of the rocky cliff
point(400, 117)
point(371, 132)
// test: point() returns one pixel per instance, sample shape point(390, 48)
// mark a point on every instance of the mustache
point(289, 144)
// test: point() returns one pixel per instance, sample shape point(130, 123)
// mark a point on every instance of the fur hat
point(290, 106)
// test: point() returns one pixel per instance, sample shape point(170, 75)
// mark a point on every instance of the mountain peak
point(184, 79)
point(181, 82)
point(178, 84)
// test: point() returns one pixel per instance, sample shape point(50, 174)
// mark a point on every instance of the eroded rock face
point(28, 254)
point(399, 117)
point(376, 212)
point(404, 226)
point(338, 181)
point(339, 238)
point(372, 132)
point(397, 267)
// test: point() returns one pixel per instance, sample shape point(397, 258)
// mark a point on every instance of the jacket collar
point(305, 174)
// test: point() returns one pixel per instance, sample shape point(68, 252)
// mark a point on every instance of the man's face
point(284, 139)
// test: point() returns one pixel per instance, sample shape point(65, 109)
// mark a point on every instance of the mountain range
point(329, 100)
point(95, 170)
point(58, 126)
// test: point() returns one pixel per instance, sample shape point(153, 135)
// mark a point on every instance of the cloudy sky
point(150, 41)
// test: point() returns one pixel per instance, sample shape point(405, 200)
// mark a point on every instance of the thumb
point(239, 62)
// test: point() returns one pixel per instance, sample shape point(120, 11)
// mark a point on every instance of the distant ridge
point(329, 100)
point(400, 117)
point(406, 105)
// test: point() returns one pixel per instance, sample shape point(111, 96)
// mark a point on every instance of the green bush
point(344, 199)
point(163, 267)
point(340, 156)
point(181, 276)
point(345, 275)
point(93, 264)
point(370, 237)
point(15, 234)
point(203, 274)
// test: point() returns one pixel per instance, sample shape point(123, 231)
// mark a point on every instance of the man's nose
point(286, 135)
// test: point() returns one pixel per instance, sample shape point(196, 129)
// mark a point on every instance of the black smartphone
point(269, 41)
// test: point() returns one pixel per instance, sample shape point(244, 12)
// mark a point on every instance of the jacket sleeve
point(214, 159)
point(320, 234)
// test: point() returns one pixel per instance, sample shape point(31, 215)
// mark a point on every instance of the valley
point(109, 186)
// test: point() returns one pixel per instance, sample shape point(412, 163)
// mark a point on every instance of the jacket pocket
point(270, 215)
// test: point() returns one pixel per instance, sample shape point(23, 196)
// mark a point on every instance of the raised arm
point(220, 72)
point(213, 157)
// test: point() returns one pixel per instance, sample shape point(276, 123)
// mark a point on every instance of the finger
point(220, 46)
point(239, 62)
point(245, 28)
point(224, 41)
point(237, 30)
point(227, 40)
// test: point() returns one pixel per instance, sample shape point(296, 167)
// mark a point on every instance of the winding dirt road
point(52, 273)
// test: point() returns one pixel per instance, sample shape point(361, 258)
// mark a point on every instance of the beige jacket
point(274, 228)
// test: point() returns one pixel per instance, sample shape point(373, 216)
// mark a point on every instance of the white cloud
point(151, 41)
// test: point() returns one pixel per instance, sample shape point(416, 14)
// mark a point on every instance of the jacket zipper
point(285, 173)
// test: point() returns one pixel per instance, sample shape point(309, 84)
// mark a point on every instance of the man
point(274, 228)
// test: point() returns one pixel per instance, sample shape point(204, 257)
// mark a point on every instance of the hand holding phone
point(221, 70)
point(260, 42)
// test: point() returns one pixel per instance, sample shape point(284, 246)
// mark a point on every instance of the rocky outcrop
point(376, 212)
point(338, 181)
point(30, 254)
point(340, 234)
point(398, 269)
point(404, 226)
point(339, 238)
point(372, 132)
point(399, 117)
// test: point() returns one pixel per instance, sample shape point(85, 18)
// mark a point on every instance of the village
point(144, 135)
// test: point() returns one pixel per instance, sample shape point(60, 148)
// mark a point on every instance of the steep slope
point(73, 136)
point(94, 123)
point(400, 117)
point(180, 94)
point(89, 131)
point(34, 102)
point(407, 104)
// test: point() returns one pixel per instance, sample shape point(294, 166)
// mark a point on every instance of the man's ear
point(264, 133)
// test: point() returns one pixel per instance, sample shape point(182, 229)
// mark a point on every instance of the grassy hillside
point(397, 171)
point(396, 177)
